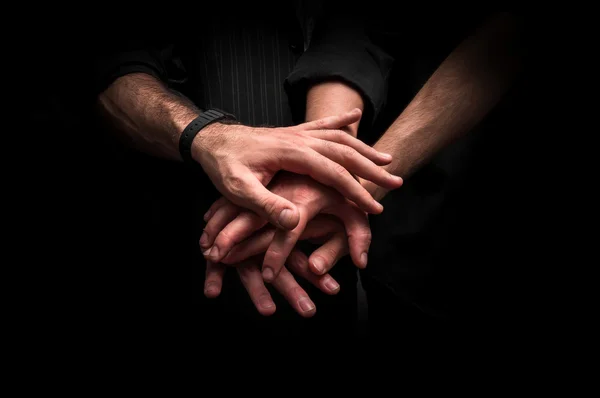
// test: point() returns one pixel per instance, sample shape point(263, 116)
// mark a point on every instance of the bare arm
point(333, 98)
point(465, 87)
point(241, 160)
point(149, 116)
point(341, 70)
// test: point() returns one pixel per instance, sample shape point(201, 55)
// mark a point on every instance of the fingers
point(257, 244)
point(214, 207)
point(219, 219)
point(343, 138)
point(323, 225)
point(248, 192)
point(213, 283)
point(279, 250)
point(356, 163)
point(294, 294)
point(236, 231)
point(356, 223)
point(298, 264)
point(326, 256)
point(327, 172)
point(333, 122)
point(252, 280)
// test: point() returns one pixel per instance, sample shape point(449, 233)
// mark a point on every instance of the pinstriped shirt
point(240, 65)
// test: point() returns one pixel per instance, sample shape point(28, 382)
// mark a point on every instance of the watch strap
point(191, 131)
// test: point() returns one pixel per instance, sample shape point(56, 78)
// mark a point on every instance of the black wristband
point(192, 130)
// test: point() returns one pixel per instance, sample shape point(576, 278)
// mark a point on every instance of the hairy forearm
point(465, 87)
point(333, 98)
point(146, 114)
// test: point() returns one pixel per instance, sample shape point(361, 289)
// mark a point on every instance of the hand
point(226, 226)
point(242, 160)
point(286, 284)
point(323, 229)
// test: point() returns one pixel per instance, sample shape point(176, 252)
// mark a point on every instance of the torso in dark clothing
point(239, 62)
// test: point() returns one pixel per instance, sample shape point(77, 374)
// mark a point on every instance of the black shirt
point(243, 60)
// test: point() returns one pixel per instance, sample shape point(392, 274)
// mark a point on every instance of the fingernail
point(331, 284)
point(206, 252)
point(206, 215)
point(386, 155)
point(319, 265)
point(305, 304)
point(379, 206)
point(265, 301)
point(204, 239)
point(363, 259)
point(214, 253)
point(268, 274)
point(285, 218)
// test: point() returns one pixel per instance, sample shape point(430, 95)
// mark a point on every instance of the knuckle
point(224, 240)
point(296, 290)
point(348, 152)
point(339, 169)
point(361, 236)
point(291, 237)
point(330, 146)
point(337, 133)
point(269, 205)
point(342, 137)
point(329, 253)
point(274, 255)
point(235, 185)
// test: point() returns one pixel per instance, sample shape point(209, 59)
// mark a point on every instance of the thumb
point(334, 122)
point(279, 211)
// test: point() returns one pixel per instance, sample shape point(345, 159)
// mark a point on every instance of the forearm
point(333, 98)
point(146, 114)
point(456, 97)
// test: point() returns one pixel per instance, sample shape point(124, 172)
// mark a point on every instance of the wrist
point(332, 98)
point(212, 137)
point(207, 139)
point(180, 122)
point(195, 141)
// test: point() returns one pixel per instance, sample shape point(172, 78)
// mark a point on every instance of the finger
point(257, 244)
point(327, 172)
point(236, 231)
point(356, 224)
point(343, 138)
point(356, 163)
point(298, 264)
point(223, 216)
point(326, 256)
point(213, 282)
point(294, 294)
point(214, 207)
point(251, 194)
point(279, 250)
point(332, 122)
point(253, 282)
point(321, 228)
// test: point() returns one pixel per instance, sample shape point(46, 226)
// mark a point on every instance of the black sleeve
point(339, 49)
point(128, 55)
